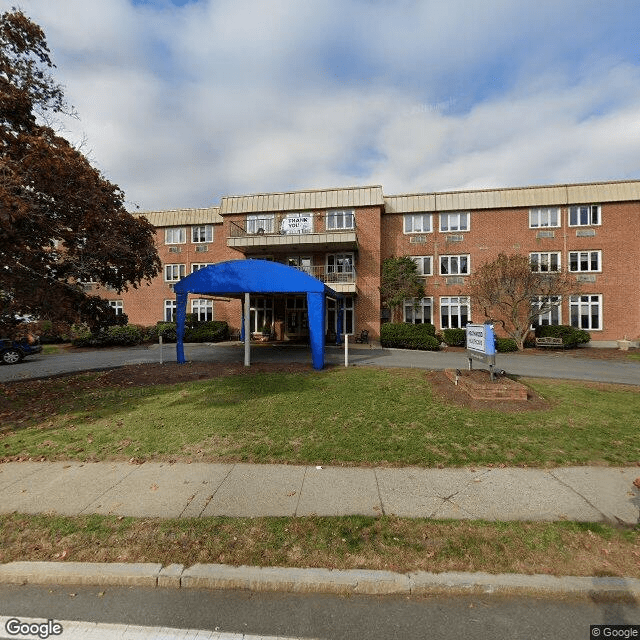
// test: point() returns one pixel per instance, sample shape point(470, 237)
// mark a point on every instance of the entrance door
point(297, 319)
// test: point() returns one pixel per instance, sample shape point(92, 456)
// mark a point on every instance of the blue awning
point(238, 277)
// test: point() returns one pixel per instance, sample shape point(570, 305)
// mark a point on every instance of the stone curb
point(331, 581)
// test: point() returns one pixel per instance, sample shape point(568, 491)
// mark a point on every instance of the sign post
point(481, 345)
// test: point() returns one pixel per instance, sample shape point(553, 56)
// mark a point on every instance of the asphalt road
point(319, 616)
point(568, 365)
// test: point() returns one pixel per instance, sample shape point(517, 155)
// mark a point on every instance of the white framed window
point(417, 223)
point(454, 312)
point(553, 315)
point(420, 312)
point(586, 311)
point(425, 265)
point(584, 215)
point(174, 272)
point(544, 217)
point(261, 314)
point(202, 309)
point(545, 262)
point(202, 233)
point(455, 221)
point(348, 319)
point(341, 219)
point(260, 224)
point(118, 306)
point(580, 261)
point(340, 267)
point(175, 235)
point(170, 310)
point(196, 266)
point(454, 265)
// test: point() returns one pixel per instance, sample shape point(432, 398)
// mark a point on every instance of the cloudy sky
point(183, 101)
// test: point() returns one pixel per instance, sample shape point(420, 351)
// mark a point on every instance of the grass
point(396, 544)
point(352, 416)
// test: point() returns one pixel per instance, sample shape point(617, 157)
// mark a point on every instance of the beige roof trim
point(553, 195)
point(303, 200)
point(182, 217)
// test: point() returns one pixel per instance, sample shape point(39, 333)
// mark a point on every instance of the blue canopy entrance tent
point(242, 278)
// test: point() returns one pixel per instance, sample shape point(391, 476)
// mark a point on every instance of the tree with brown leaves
point(61, 222)
point(511, 294)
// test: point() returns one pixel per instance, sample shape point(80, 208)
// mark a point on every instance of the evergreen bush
point(571, 337)
point(403, 335)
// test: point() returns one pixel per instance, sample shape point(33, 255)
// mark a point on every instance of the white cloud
point(184, 104)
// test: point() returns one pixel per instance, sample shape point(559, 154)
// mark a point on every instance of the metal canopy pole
point(247, 330)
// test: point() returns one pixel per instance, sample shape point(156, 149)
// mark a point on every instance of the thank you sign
point(481, 340)
point(293, 224)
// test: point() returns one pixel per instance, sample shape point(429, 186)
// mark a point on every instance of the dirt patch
point(446, 390)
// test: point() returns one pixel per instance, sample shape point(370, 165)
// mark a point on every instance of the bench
point(549, 342)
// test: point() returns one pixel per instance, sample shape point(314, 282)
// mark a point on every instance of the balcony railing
point(329, 275)
point(288, 224)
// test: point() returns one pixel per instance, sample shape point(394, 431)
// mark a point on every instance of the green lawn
point(354, 416)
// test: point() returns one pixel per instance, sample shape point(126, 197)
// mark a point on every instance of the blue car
point(13, 351)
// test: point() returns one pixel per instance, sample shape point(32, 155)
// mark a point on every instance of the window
point(260, 224)
point(419, 312)
point(425, 265)
point(341, 219)
point(585, 261)
point(454, 265)
point(417, 223)
point(175, 235)
point(202, 309)
point(196, 266)
point(118, 306)
point(454, 221)
point(340, 267)
point(169, 310)
point(174, 272)
point(261, 314)
point(454, 312)
point(584, 215)
point(347, 316)
point(203, 233)
point(552, 316)
point(544, 217)
point(545, 262)
point(586, 311)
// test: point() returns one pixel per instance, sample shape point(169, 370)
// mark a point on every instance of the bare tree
point(512, 295)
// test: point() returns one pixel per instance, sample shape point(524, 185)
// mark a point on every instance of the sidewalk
point(180, 490)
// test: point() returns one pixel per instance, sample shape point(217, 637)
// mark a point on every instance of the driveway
point(567, 365)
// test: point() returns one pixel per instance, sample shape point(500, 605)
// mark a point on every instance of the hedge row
point(131, 334)
point(409, 336)
point(571, 337)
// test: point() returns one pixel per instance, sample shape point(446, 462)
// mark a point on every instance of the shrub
point(409, 336)
point(505, 345)
point(167, 330)
point(213, 331)
point(571, 337)
point(455, 337)
point(126, 335)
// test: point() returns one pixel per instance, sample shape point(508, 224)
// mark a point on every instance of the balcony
point(340, 281)
point(280, 232)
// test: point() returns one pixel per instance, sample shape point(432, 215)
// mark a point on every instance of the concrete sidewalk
point(180, 490)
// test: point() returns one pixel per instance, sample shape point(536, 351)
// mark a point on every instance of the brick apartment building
point(341, 236)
